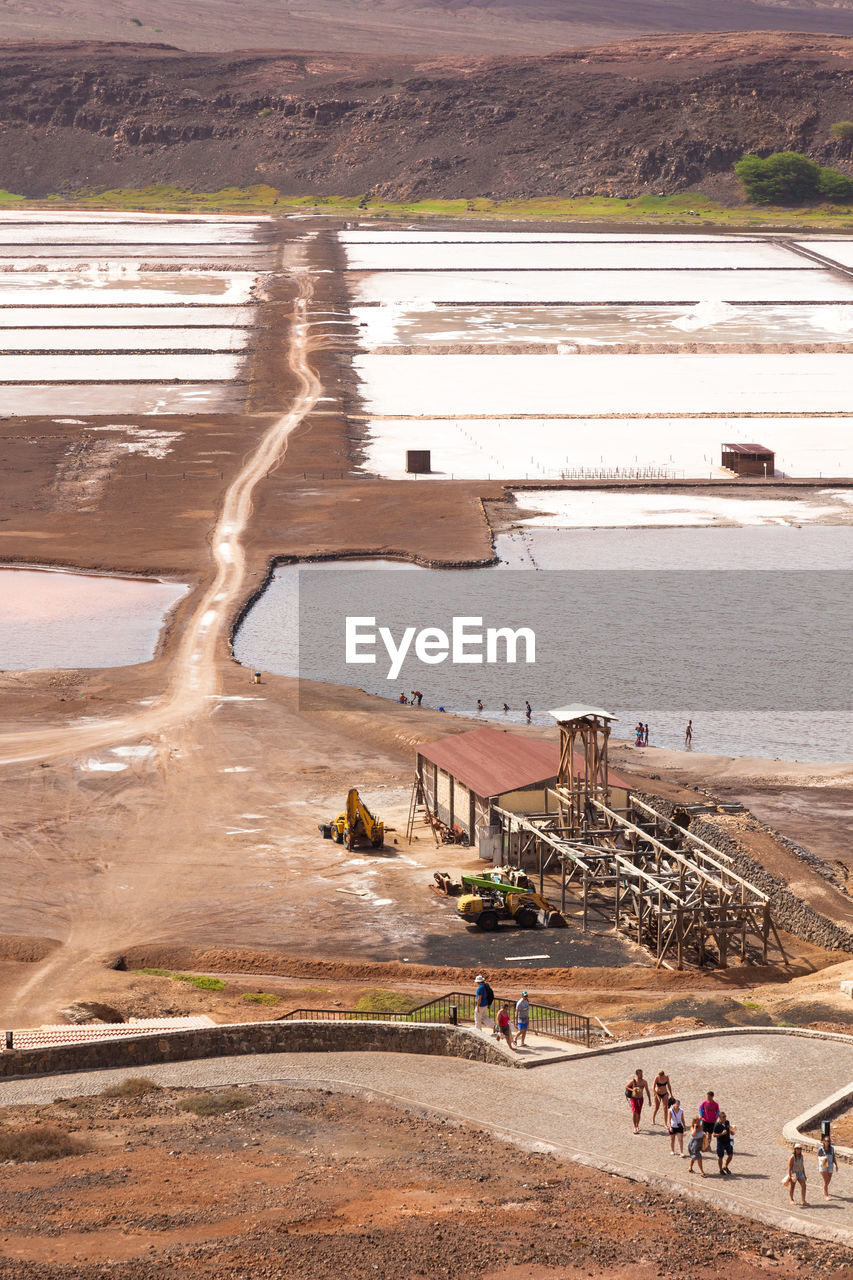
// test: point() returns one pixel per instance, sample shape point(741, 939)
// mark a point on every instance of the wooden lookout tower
point(582, 778)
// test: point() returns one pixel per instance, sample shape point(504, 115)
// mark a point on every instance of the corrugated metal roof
point(747, 448)
point(491, 761)
point(577, 710)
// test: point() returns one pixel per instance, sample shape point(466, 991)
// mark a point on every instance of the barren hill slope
point(479, 27)
point(653, 114)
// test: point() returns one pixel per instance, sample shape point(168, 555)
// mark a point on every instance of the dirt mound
point(245, 960)
point(606, 121)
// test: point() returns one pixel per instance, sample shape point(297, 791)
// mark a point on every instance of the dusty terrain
point(287, 1182)
point(422, 26)
point(657, 114)
point(205, 854)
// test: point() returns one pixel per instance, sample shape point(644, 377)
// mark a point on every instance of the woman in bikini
point(636, 1091)
point(663, 1092)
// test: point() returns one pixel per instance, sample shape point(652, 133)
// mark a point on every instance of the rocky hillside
point(656, 114)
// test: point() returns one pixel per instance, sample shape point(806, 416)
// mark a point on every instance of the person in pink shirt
point(708, 1112)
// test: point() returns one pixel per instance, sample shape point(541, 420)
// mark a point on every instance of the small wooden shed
point(749, 459)
point(465, 774)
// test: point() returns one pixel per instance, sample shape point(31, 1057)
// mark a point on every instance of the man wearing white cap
point(522, 1018)
point(481, 1003)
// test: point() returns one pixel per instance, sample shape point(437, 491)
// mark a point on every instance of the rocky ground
point(656, 114)
point(276, 1182)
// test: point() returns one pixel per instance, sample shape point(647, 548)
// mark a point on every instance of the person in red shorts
point(636, 1091)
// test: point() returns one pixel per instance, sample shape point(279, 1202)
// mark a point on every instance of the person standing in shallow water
point(636, 1091)
point(688, 736)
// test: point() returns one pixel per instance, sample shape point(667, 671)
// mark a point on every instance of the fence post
point(454, 1017)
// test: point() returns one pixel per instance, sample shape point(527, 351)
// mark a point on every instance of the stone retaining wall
point(789, 912)
point(254, 1037)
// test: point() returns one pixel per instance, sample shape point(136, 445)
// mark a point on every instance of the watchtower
point(582, 777)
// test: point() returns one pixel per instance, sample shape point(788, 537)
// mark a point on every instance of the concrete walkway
point(578, 1109)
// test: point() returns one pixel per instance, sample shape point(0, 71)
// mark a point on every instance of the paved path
point(577, 1108)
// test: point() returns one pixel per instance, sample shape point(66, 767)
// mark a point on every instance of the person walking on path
point(708, 1112)
point(694, 1145)
point(796, 1175)
point(826, 1162)
point(522, 1018)
point(482, 1003)
point(663, 1095)
point(675, 1117)
point(688, 736)
point(725, 1148)
point(503, 1022)
point(636, 1091)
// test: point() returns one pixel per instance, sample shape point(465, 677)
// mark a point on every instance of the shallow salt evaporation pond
point(707, 322)
point(627, 675)
point(74, 285)
point(57, 620)
point(562, 412)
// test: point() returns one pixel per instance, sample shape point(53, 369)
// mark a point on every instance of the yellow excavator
point(354, 824)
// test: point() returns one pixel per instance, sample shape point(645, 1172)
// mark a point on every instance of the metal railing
point(458, 1006)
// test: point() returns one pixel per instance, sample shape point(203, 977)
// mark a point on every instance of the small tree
point(835, 186)
point(782, 178)
point(843, 130)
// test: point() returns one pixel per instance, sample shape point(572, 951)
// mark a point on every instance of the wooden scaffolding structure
point(638, 871)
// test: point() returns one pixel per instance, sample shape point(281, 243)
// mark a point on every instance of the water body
point(57, 620)
point(747, 637)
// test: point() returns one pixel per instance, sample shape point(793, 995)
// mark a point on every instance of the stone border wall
point(789, 912)
point(254, 1037)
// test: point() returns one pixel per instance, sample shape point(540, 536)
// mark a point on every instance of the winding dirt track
point(194, 676)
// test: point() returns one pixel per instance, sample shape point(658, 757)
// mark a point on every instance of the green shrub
point(37, 1142)
point(215, 1104)
point(264, 112)
point(783, 178)
point(136, 22)
point(843, 130)
point(261, 997)
point(380, 1001)
point(201, 980)
point(835, 186)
